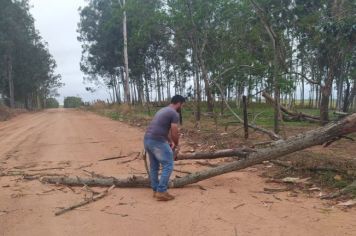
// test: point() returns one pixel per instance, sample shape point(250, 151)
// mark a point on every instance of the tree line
point(222, 49)
point(27, 69)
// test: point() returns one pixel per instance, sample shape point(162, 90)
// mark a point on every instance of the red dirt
point(232, 204)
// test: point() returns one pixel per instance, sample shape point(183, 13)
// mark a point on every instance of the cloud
point(57, 22)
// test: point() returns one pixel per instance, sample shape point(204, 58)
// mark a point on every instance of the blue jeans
point(160, 153)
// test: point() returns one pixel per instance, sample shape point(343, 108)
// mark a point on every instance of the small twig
point(113, 158)
point(146, 164)
point(50, 168)
point(275, 190)
point(95, 198)
point(240, 205)
point(137, 156)
point(84, 166)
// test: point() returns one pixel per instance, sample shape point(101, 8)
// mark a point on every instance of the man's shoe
point(165, 196)
point(154, 194)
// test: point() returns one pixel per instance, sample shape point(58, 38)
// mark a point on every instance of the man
point(161, 138)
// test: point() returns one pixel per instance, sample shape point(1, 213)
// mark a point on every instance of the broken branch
point(93, 199)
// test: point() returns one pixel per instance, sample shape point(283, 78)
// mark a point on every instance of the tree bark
point(324, 104)
point(351, 97)
point(126, 58)
point(11, 81)
point(244, 100)
point(234, 152)
point(277, 149)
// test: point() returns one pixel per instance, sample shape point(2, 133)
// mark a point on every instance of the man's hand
point(175, 150)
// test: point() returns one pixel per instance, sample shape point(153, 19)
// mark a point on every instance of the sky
point(57, 22)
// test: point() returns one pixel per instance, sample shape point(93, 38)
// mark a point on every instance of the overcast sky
point(57, 22)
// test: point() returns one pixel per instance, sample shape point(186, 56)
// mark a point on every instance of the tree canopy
point(27, 69)
point(214, 50)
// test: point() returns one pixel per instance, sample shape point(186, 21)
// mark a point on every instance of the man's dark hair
point(177, 98)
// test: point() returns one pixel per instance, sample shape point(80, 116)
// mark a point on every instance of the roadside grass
point(259, 113)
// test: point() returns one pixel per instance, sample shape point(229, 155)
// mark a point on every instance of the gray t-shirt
point(161, 124)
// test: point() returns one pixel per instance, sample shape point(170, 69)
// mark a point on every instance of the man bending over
point(161, 138)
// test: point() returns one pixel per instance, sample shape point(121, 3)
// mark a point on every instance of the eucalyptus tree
point(27, 69)
point(326, 30)
point(100, 29)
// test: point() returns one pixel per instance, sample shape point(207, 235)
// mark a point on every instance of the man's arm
point(174, 133)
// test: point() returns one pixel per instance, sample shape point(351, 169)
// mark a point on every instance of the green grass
point(264, 113)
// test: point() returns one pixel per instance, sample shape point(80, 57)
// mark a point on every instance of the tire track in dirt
point(28, 131)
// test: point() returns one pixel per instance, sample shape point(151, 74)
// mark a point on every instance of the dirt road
point(71, 142)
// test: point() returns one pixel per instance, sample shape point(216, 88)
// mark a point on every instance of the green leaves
point(32, 65)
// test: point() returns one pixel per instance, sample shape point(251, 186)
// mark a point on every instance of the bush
point(52, 103)
point(72, 102)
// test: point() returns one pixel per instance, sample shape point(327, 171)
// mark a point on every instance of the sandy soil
point(74, 141)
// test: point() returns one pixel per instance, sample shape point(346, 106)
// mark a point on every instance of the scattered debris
point(239, 205)
point(294, 180)
point(314, 189)
point(113, 158)
point(113, 213)
point(85, 202)
point(337, 177)
point(292, 194)
point(84, 166)
point(202, 188)
point(348, 203)
point(277, 198)
point(50, 168)
point(275, 190)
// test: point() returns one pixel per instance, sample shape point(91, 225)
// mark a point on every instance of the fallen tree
point(276, 149)
point(238, 152)
point(291, 115)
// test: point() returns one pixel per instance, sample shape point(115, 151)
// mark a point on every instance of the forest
point(300, 53)
point(27, 69)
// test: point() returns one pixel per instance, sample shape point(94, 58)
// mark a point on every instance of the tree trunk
point(351, 97)
point(197, 90)
point(324, 102)
point(303, 88)
point(158, 84)
point(126, 59)
point(277, 105)
point(346, 97)
point(11, 81)
point(209, 98)
point(279, 148)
